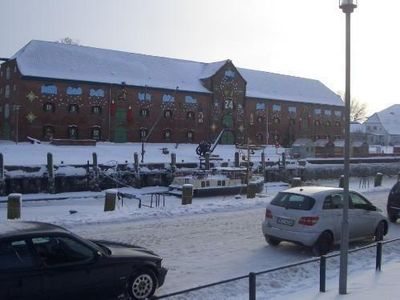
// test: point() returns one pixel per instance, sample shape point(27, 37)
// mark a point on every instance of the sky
point(300, 38)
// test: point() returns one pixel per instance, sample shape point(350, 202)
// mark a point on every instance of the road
point(205, 248)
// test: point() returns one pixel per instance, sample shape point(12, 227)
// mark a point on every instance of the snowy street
point(209, 241)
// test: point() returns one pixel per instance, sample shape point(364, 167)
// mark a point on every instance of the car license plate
point(284, 221)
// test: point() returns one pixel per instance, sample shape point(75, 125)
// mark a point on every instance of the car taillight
point(268, 214)
point(308, 221)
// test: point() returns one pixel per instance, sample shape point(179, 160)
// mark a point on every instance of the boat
point(217, 181)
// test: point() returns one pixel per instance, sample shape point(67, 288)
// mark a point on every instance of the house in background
point(383, 128)
point(303, 148)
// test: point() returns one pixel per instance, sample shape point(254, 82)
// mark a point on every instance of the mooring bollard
point(296, 181)
point(51, 185)
point(136, 162)
point(14, 206)
point(111, 197)
point(341, 181)
point(378, 179)
point(237, 159)
point(263, 166)
point(95, 164)
point(2, 180)
point(251, 190)
point(187, 194)
point(173, 162)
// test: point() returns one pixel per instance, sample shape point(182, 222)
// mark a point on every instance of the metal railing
point(252, 276)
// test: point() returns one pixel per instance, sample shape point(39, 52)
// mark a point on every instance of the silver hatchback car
point(312, 216)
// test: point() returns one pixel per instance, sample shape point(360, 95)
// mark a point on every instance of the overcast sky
point(303, 38)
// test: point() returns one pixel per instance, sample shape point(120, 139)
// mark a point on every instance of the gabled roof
point(71, 62)
point(389, 118)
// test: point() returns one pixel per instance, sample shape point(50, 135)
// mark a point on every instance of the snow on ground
point(210, 240)
point(36, 154)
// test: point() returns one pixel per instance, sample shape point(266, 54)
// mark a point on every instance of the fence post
point(379, 256)
point(322, 274)
point(252, 286)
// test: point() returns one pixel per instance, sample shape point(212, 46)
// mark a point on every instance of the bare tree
point(358, 109)
point(69, 41)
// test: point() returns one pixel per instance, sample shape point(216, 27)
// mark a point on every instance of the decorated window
point(144, 112)
point(48, 132)
point(96, 133)
point(74, 91)
point(190, 115)
point(48, 107)
point(144, 96)
point(338, 113)
point(328, 112)
point(96, 93)
point(168, 114)
point(292, 109)
point(166, 98)
point(7, 91)
point(190, 100)
point(143, 133)
point(260, 106)
point(317, 111)
point(73, 108)
point(260, 119)
point(8, 73)
point(167, 134)
point(96, 110)
point(72, 132)
point(48, 89)
point(276, 108)
point(190, 136)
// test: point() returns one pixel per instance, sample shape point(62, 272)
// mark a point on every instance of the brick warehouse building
point(53, 90)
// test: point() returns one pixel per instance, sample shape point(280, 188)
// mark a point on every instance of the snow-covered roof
point(302, 142)
point(390, 119)
point(73, 62)
point(357, 127)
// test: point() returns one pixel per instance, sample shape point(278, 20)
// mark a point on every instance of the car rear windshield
point(293, 201)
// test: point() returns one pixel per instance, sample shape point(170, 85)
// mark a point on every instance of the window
point(96, 93)
point(72, 132)
point(142, 133)
point(260, 106)
point(74, 91)
point(7, 91)
point(96, 133)
point(166, 98)
point(48, 132)
point(260, 137)
point(96, 110)
point(337, 124)
point(144, 96)
point(167, 114)
point(276, 120)
point(338, 113)
point(317, 111)
point(334, 201)
point(293, 201)
point(190, 136)
point(49, 89)
point(328, 124)
point(144, 112)
point(327, 112)
point(73, 108)
point(14, 87)
point(292, 109)
point(260, 119)
point(358, 202)
point(8, 73)
point(167, 134)
point(276, 107)
point(61, 250)
point(317, 123)
point(48, 107)
point(190, 115)
point(15, 255)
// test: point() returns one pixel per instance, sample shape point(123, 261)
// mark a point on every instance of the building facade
point(51, 90)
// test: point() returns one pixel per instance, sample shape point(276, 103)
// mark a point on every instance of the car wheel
point(380, 231)
point(272, 241)
point(324, 244)
point(142, 285)
point(392, 218)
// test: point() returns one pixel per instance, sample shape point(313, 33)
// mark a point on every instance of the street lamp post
point(347, 7)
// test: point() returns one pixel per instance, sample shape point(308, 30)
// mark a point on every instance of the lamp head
point(348, 6)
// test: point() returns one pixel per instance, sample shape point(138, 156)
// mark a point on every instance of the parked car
point(393, 203)
point(312, 216)
point(44, 261)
